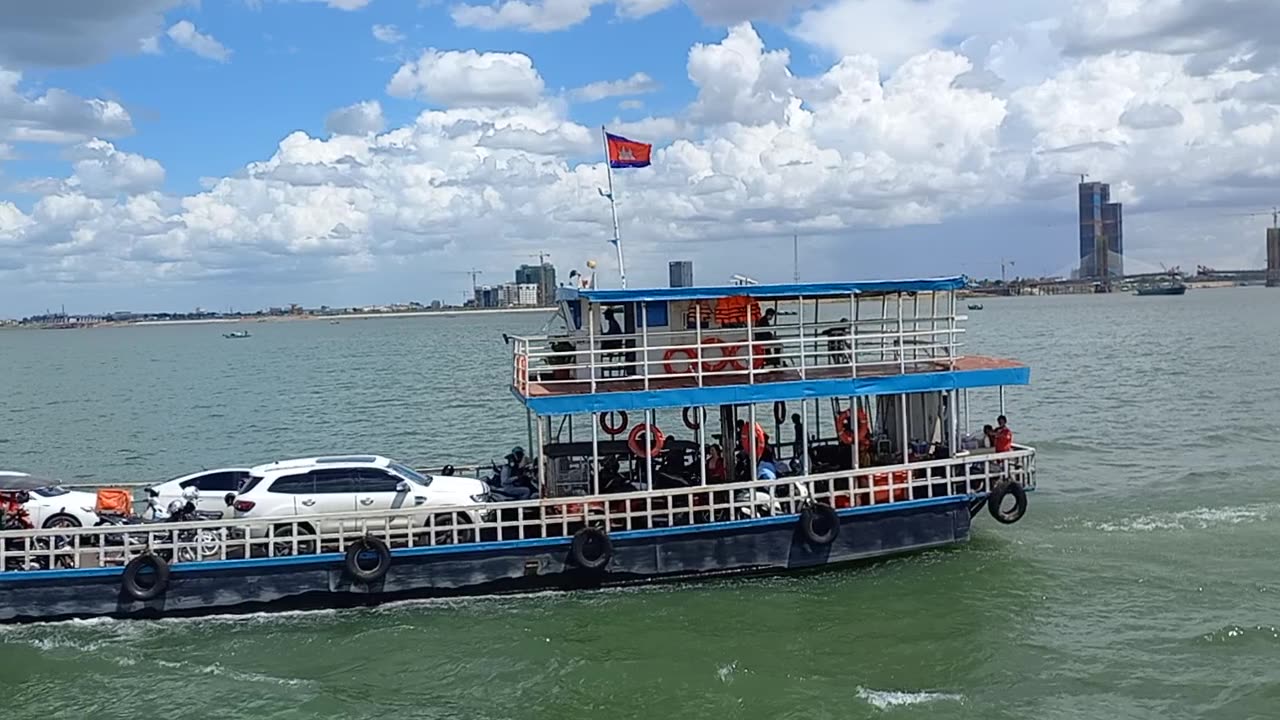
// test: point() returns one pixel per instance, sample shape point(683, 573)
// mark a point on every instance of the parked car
point(349, 484)
point(53, 506)
point(214, 486)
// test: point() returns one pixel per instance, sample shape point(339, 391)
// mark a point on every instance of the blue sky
point(161, 154)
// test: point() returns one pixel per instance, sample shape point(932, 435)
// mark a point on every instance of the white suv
point(349, 484)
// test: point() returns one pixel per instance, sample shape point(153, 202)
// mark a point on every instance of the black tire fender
point(591, 549)
point(819, 524)
point(352, 561)
point(996, 501)
point(137, 590)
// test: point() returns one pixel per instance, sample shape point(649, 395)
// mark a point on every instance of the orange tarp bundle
point(733, 310)
point(114, 501)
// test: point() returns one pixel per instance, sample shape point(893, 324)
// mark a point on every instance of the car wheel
point(61, 521)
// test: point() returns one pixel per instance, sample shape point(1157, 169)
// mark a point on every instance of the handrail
point(266, 534)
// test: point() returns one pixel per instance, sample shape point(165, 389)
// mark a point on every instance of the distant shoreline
point(443, 312)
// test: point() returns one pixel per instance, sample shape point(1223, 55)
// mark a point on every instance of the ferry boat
point(678, 433)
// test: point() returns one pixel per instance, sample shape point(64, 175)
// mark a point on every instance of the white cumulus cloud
point(468, 78)
point(638, 84)
point(362, 118)
point(185, 35)
point(389, 34)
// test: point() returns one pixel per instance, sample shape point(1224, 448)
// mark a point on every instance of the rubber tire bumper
point(135, 589)
point(583, 540)
point(819, 524)
point(996, 500)
point(352, 560)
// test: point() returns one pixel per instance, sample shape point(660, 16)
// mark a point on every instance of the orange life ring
point(522, 372)
point(691, 420)
point(614, 430)
point(670, 369)
point(762, 441)
point(732, 360)
point(707, 365)
point(655, 437)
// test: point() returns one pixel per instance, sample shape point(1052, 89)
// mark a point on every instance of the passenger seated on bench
point(715, 464)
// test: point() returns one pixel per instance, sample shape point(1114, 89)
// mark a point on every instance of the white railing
point(698, 357)
point(192, 542)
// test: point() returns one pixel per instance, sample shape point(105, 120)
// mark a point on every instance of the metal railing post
point(800, 316)
point(591, 347)
point(644, 339)
point(697, 319)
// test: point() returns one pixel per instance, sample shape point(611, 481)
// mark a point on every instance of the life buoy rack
point(160, 577)
point(819, 524)
point(762, 441)
point(653, 437)
point(690, 355)
point(690, 415)
point(360, 546)
point(614, 430)
point(996, 501)
point(779, 412)
point(847, 436)
point(732, 360)
point(591, 549)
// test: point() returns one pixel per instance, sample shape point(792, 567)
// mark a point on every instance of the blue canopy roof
point(808, 290)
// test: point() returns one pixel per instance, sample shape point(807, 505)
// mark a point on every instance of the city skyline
point(173, 154)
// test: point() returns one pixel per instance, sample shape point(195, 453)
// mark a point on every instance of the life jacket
point(733, 310)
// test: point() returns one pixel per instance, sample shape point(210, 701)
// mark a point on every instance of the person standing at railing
point(767, 321)
point(1002, 437)
point(837, 348)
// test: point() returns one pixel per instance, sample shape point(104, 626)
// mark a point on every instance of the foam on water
point(1202, 518)
point(886, 699)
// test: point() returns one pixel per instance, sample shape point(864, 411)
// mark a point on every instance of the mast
point(613, 208)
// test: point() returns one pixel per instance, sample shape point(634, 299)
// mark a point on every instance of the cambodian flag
point(624, 153)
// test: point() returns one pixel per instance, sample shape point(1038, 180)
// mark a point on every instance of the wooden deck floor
point(830, 372)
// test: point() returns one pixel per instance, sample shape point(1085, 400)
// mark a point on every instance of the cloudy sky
point(163, 154)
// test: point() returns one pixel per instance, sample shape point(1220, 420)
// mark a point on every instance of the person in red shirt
point(1003, 436)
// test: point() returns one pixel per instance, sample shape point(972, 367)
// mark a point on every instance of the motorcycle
point(193, 544)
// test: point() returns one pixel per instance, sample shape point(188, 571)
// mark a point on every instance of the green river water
point(1143, 582)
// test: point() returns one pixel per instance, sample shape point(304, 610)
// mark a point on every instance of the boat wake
point(886, 699)
point(1202, 518)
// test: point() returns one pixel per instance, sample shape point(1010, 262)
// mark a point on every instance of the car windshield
point(414, 475)
point(51, 491)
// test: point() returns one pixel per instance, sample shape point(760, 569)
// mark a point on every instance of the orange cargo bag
point(113, 501)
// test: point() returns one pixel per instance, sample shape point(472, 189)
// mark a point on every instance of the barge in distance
point(677, 433)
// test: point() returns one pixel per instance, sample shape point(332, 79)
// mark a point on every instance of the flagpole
point(613, 208)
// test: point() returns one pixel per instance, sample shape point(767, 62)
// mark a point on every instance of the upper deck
point(676, 347)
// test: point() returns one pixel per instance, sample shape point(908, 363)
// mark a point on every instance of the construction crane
point(474, 273)
point(1274, 212)
point(542, 256)
point(1082, 176)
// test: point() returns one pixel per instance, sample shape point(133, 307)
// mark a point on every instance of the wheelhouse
point(859, 391)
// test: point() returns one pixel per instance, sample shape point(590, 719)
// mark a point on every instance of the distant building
point(490, 296)
point(1101, 233)
point(435, 305)
point(681, 273)
point(526, 295)
point(544, 276)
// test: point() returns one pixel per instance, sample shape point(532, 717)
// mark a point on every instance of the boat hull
point(1163, 291)
point(764, 546)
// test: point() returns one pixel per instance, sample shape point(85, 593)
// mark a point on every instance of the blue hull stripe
point(338, 558)
point(770, 392)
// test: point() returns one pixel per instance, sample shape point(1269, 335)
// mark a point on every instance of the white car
point(54, 506)
point(214, 486)
point(349, 484)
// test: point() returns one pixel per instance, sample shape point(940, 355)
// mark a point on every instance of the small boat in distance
point(1172, 286)
point(236, 334)
point(975, 306)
